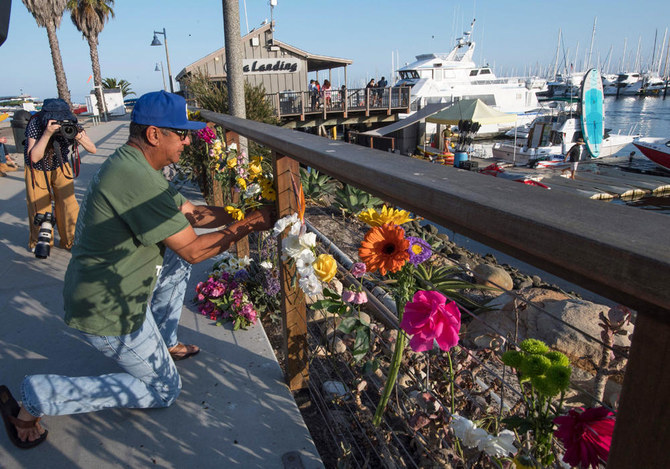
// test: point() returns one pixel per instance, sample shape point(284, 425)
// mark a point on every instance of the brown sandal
point(183, 351)
point(10, 410)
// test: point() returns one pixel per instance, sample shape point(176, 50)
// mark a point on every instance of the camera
point(45, 222)
point(68, 128)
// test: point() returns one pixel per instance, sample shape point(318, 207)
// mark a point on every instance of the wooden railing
point(616, 251)
point(339, 101)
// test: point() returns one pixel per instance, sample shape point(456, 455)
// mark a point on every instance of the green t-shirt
point(128, 210)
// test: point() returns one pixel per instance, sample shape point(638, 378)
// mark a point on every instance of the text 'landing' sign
point(270, 65)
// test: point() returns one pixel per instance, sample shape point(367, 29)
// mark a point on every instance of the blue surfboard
point(592, 111)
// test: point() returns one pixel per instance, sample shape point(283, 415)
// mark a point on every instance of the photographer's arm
point(83, 139)
point(194, 248)
point(37, 147)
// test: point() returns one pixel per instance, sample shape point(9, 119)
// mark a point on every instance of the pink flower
point(358, 269)
point(428, 316)
point(354, 297)
point(586, 435)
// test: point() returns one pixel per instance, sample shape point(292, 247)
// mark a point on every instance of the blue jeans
point(150, 379)
point(168, 296)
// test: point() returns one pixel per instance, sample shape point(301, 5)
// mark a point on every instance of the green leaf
point(348, 324)
point(362, 343)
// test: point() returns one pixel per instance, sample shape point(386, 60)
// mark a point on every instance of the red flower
point(586, 435)
point(428, 316)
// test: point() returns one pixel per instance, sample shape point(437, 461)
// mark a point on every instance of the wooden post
point(242, 246)
point(293, 301)
point(642, 432)
point(367, 102)
point(388, 111)
point(302, 104)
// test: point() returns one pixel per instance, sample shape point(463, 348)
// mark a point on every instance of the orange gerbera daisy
point(384, 248)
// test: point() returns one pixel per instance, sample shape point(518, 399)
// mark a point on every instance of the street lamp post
point(157, 42)
point(162, 72)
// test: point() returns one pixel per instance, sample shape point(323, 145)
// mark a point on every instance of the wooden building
point(279, 67)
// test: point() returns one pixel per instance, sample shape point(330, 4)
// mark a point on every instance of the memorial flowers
point(429, 317)
point(473, 437)
point(586, 435)
point(223, 296)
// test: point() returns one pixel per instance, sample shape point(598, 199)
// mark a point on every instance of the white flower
point(293, 247)
point(310, 285)
point(243, 262)
point(283, 222)
point(498, 446)
point(252, 190)
point(308, 240)
point(467, 431)
point(232, 146)
point(303, 263)
point(267, 265)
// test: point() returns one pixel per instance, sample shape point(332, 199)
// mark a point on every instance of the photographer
point(51, 135)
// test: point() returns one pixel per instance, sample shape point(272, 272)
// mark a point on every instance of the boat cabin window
point(408, 74)
point(555, 138)
point(485, 71)
point(667, 144)
point(474, 73)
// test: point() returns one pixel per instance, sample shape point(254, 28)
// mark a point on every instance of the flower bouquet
point(223, 296)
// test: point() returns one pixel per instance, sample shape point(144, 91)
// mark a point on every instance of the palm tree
point(48, 14)
point(89, 17)
point(123, 85)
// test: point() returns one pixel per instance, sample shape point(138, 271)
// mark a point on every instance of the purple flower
point(419, 250)
point(271, 285)
point(358, 269)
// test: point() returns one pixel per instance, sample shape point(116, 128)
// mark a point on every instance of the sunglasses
point(182, 133)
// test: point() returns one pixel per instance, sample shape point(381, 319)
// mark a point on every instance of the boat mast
point(637, 66)
point(576, 56)
point(558, 47)
point(593, 35)
point(623, 57)
point(609, 59)
point(653, 54)
point(660, 52)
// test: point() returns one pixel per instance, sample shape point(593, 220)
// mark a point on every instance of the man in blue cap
point(129, 215)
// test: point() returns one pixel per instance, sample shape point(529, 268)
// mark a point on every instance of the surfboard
point(591, 99)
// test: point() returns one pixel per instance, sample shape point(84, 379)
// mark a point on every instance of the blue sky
point(513, 36)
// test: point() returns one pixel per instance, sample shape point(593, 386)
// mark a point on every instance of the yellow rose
point(325, 267)
point(231, 161)
point(241, 183)
point(255, 168)
point(236, 213)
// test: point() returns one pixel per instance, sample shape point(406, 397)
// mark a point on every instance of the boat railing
point(615, 251)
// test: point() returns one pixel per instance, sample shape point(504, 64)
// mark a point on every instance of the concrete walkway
point(234, 409)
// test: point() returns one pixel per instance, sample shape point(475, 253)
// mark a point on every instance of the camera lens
point(69, 130)
point(43, 246)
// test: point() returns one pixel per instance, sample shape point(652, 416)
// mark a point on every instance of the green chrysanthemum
point(534, 346)
point(544, 386)
point(512, 358)
point(534, 365)
point(557, 358)
point(559, 376)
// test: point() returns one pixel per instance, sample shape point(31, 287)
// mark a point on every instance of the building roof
point(314, 62)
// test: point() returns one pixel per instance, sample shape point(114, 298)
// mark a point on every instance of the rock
point(548, 325)
point(337, 346)
point(442, 237)
point(537, 281)
point(525, 283)
point(335, 388)
point(493, 276)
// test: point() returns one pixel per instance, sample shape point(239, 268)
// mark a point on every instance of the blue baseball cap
point(163, 109)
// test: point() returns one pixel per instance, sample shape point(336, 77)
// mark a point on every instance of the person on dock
point(129, 215)
point(381, 84)
point(371, 91)
point(326, 91)
point(575, 154)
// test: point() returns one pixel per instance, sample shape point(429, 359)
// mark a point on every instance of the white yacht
point(626, 84)
point(449, 77)
point(550, 138)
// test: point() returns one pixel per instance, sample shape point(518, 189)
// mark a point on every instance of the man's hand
point(262, 219)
